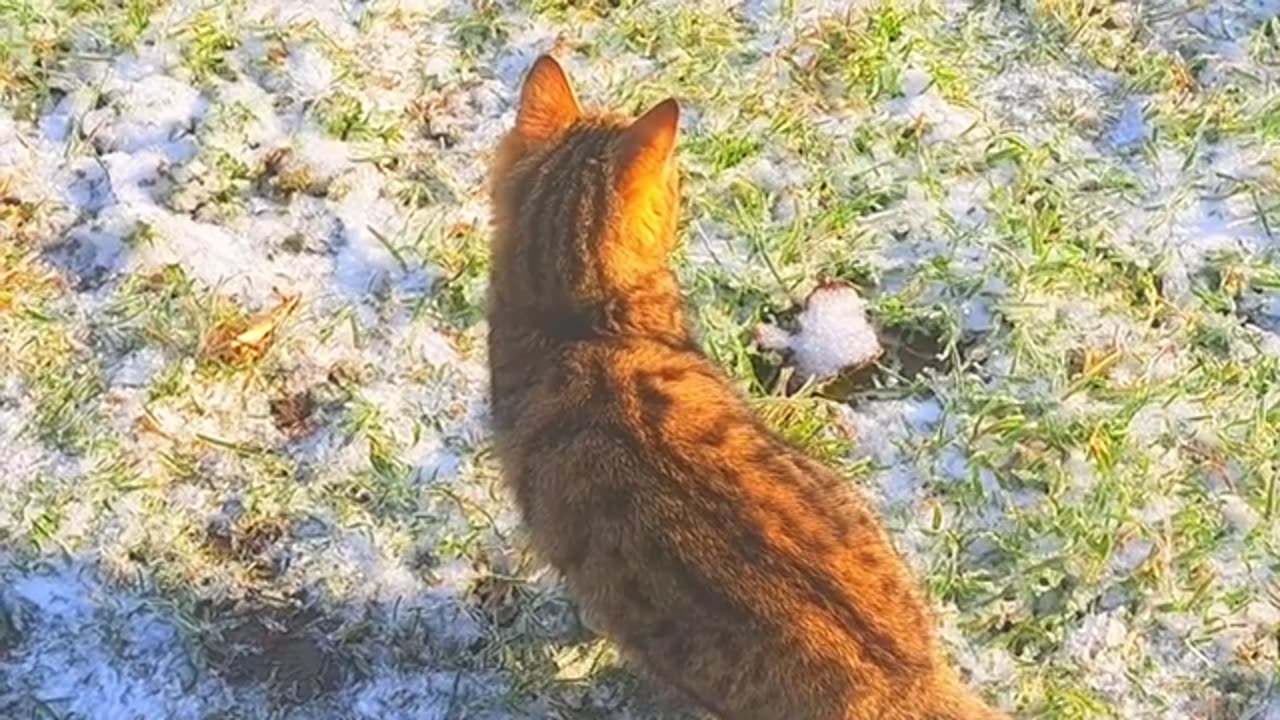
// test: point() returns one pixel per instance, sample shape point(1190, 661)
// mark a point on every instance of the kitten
point(713, 553)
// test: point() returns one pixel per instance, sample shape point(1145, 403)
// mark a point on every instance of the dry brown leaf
point(292, 413)
point(245, 341)
point(498, 598)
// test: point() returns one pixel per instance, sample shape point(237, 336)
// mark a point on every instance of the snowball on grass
point(832, 333)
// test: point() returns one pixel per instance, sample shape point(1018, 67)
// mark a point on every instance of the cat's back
point(643, 454)
point(577, 399)
point(717, 552)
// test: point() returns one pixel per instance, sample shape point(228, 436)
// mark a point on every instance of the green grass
point(208, 40)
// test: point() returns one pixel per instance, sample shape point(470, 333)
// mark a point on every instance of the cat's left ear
point(547, 102)
point(648, 143)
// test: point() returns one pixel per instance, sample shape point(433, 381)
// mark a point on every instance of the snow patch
point(95, 651)
point(833, 333)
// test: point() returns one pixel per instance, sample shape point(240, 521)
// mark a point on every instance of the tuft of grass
point(723, 151)
point(209, 39)
point(129, 27)
point(482, 28)
point(860, 57)
point(344, 117)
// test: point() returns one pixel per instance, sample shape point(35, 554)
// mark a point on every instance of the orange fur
point(712, 552)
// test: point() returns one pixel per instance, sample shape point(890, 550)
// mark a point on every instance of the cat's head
point(587, 196)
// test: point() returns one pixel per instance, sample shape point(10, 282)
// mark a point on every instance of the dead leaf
point(292, 413)
point(498, 598)
point(244, 341)
point(275, 159)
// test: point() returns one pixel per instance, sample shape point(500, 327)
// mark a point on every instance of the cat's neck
point(650, 309)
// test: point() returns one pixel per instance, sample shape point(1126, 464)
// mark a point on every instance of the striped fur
point(716, 555)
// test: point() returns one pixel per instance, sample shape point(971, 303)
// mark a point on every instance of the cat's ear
point(647, 144)
point(547, 103)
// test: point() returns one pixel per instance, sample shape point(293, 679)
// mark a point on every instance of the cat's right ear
point(547, 102)
point(647, 144)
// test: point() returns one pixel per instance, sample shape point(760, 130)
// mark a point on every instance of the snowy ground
point(212, 510)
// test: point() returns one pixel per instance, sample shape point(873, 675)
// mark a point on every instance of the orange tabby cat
point(711, 551)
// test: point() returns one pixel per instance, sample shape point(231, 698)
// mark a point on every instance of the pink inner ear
point(547, 102)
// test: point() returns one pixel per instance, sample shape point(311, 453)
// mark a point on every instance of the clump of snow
point(1238, 513)
point(149, 112)
point(1027, 98)
point(310, 71)
point(832, 334)
point(1103, 642)
point(263, 126)
point(965, 201)
point(920, 102)
point(370, 225)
